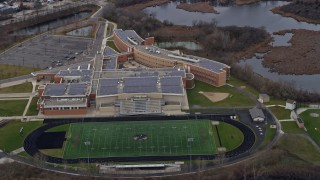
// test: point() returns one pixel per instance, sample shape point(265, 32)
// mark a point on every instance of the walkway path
point(16, 95)
point(17, 151)
point(34, 84)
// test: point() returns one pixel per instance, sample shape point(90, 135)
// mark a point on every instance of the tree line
point(278, 89)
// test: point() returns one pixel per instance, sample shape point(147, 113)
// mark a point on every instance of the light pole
point(190, 140)
point(87, 143)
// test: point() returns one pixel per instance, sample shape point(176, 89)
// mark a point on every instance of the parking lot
point(48, 51)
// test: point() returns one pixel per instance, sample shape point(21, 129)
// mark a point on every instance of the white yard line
point(284, 120)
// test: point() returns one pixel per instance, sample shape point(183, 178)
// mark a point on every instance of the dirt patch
point(243, 2)
point(204, 7)
point(302, 57)
point(140, 6)
point(215, 96)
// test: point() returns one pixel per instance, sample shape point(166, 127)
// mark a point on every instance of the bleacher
point(133, 107)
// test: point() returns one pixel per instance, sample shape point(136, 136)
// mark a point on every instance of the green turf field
point(116, 139)
point(312, 124)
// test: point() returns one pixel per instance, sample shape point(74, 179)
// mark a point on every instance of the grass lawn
point(32, 111)
point(10, 137)
point(235, 98)
point(64, 127)
point(109, 29)
point(291, 127)
point(312, 124)
point(237, 82)
point(118, 139)
point(300, 147)
point(12, 107)
point(9, 71)
point(270, 133)
point(24, 154)
point(112, 45)
point(280, 112)
point(215, 135)
point(230, 136)
point(53, 152)
point(274, 101)
point(21, 88)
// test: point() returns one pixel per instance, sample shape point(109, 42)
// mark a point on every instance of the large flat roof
point(173, 56)
point(143, 72)
point(109, 62)
point(129, 37)
point(113, 86)
point(72, 89)
point(81, 75)
point(108, 51)
point(65, 102)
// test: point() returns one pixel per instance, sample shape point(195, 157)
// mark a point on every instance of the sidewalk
point(17, 151)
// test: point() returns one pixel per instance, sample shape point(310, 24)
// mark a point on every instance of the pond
point(42, 27)
point(84, 31)
point(186, 44)
point(255, 15)
point(282, 40)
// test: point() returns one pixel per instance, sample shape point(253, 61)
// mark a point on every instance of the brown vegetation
point(306, 11)
point(243, 2)
point(204, 7)
point(302, 57)
point(145, 4)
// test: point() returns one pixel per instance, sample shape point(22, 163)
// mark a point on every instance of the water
point(84, 31)
point(282, 40)
point(254, 15)
point(307, 82)
point(42, 27)
point(186, 44)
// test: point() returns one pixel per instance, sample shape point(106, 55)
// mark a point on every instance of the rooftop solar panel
point(55, 90)
point(140, 89)
point(172, 89)
point(107, 90)
point(170, 81)
point(109, 82)
point(146, 81)
point(77, 89)
point(108, 51)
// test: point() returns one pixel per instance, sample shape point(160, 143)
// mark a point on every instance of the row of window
point(63, 108)
point(153, 61)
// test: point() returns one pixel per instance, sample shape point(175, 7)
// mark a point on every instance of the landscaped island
point(307, 11)
point(243, 2)
point(204, 7)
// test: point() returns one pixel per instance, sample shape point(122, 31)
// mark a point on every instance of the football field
point(140, 138)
